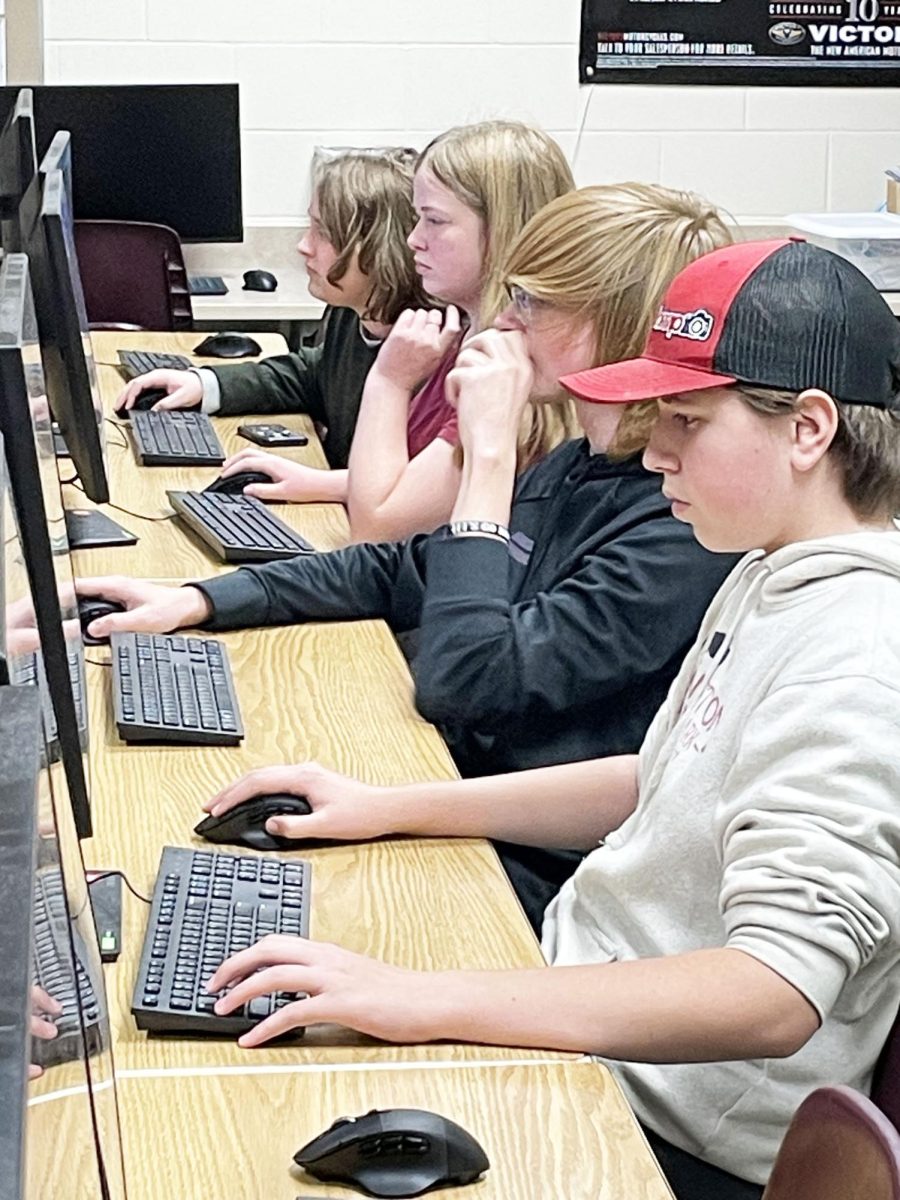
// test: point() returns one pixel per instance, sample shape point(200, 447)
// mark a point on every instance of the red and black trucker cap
point(777, 314)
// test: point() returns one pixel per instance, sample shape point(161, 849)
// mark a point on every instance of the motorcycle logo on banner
point(810, 42)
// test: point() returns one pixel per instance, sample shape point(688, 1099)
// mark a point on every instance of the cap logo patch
point(696, 326)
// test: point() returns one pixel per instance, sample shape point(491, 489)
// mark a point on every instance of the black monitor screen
point(42, 634)
point(17, 167)
point(63, 327)
point(163, 152)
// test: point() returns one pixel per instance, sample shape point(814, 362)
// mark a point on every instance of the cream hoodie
point(768, 821)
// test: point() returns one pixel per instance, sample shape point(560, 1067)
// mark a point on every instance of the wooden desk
point(166, 548)
point(551, 1131)
point(344, 698)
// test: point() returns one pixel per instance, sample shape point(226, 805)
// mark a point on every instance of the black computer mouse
point(228, 345)
point(259, 281)
point(394, 1152)
point(146, 399)
point(89, 609)
point(233, 485)
point(245, 824)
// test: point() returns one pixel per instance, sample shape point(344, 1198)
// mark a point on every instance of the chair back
point(133, 273)
point(886, 1083)
point(837, 1147)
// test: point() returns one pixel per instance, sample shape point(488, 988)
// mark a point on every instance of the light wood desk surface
point(343, 698)
point(551, 1131)
point(167, 547)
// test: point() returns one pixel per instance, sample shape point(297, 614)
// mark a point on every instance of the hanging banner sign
point(745, 42)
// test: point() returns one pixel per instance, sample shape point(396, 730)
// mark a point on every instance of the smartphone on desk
point(272, 435)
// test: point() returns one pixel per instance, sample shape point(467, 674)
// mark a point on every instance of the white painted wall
point(358, 72)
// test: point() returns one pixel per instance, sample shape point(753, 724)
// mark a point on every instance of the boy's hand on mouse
point(149, 607)
point(342, 988)
point(416, 345)
point(184, 387)
point(292, 482)
point(343, 809)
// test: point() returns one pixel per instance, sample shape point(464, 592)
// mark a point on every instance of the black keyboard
point(175, 439)
point(207, 285)
point(207, 906)
point(29, 669)
point(239, 528)
point(139, 362)
point(168, 688)
point(70, 986)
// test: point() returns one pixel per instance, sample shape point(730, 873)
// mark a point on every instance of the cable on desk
point(118, 507)
point(95, 875)
point(117, 425)
point(95, 662)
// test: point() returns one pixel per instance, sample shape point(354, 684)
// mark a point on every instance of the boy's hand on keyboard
point(150, 607)
point(291, 481)
point(341, 988)
point(343, 808)
point(184, 387)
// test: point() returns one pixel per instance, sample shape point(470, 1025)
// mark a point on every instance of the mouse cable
point(97, 875)
point(95, 662)
point(127, 511)
point(118, 425)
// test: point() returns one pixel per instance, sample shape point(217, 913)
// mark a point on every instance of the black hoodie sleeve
point(623, 615)
point(356, 583)
point(284, 383)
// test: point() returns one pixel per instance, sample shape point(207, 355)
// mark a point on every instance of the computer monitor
point(38, 581)
point(59, 158)
point(49, 242)
point(168, 153)
point(59, 1135)
point(17, 168)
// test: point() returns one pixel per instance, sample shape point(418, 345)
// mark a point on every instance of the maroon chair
point(886, 1083)
point(839, 1146)
point(133, 274)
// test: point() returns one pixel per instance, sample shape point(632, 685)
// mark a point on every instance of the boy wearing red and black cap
point(733, 942)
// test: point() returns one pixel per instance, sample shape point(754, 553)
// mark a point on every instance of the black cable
point(73, 481)
point(118, 425)
point(96, 875)
point(95, 662)
point(119, 508)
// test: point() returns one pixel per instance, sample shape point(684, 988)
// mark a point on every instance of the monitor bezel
point(31, 514)
point(62, 326)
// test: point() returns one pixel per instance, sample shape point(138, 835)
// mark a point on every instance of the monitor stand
point(89, 527)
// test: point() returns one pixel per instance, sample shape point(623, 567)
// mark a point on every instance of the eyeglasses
point(526, 305)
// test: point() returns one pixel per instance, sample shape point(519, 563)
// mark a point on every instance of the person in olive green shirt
point(358, 262)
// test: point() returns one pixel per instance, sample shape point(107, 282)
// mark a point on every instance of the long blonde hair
point(366, 209)
point(607, 254)
point(505, 172)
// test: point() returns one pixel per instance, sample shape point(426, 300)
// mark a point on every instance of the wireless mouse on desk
point(233, 485)
point(227, 345)
point(145, 401)
point(90, 608)
point(259, 281)
point(245, 824)
point(394, 1152)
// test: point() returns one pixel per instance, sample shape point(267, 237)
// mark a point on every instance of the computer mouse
point(233, 485)
point(89, 609)
point(259, 281)
point(228, 345)
point(394, 1152)
point(245, 824)
point(145, 400)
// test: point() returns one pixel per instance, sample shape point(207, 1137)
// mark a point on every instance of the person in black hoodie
point(545, 623)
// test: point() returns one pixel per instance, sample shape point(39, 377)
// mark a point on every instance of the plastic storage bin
point(871, 241)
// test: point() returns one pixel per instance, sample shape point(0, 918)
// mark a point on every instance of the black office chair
point(133, 275)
